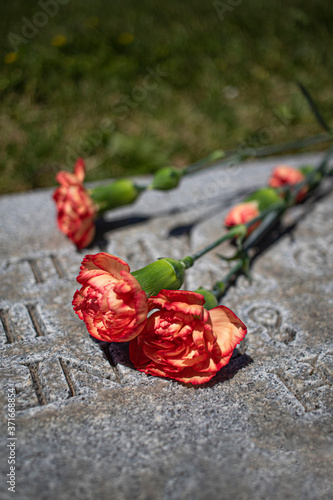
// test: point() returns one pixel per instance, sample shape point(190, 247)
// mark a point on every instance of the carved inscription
point(271, 318)
point(307, 385)
point(315, 258)
point(21, 322)
point(266, 316)
point(46, 268)
point(41, 368)
point(39, 381)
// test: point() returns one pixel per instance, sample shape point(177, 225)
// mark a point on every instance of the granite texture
point(89, 426)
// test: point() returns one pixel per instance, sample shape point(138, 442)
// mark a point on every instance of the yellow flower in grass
point(59, 40)
point(10, 57)
point(125, 38)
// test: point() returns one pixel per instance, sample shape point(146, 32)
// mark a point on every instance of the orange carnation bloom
point(76, 210)
point(184, 341)
point(283, 175)
point(243, 213)
point(111, 301)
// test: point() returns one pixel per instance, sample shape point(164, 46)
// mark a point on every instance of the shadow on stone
point(279, 230)
point(118, 353)
point(115, 352)
point(103, 226)
point(185, 229)
point(237, 362)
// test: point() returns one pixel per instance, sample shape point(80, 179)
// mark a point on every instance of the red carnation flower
point(111, 301)
point(76, 210)
point(184, 341)
point(283, 175)
point(243, 213)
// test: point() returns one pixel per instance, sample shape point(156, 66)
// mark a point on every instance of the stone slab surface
point(89, 426)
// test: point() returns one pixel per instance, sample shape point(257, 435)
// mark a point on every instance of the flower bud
point(121, 192)
point(167, 178)
point(265, 197)
point(161, 274)
point(218, 154)
point(211, 300)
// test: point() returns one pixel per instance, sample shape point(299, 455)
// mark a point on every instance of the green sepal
point(159, 275)
point(166, 178)
point(211, 300)
point(218, 154)
point(246, 268)
point(228, 259)
point(121, 192)
point(265, 197)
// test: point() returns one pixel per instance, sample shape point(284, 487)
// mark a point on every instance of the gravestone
point(87, 425)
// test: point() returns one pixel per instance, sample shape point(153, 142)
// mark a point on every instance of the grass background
point(79, 85)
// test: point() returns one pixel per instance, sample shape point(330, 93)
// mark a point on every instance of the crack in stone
point(36, 271)
point(280, 377)
point(36, 383)
point(58, 267)
point(7, 326)
point(313, 364)
point(70, 383)
point(36, 320)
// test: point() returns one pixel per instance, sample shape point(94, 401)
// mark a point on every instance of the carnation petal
point(191, 376)
point(66, 178)
point(183, 301)
point(85, 234)
point(228, 328)
point(79, 170)
point(106, 262)
point(111, 301)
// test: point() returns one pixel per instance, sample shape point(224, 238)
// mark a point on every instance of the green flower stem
point(279, 206)
point(210, 160)
point(238, 232)
point(293, 145)
point(269, 220)
point(314, 108)
point(234, 157)
point(220, 286)
point(235, 232)
point(244, 260)
point(125, 191)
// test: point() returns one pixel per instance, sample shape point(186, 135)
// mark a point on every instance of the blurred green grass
point(81, 84)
